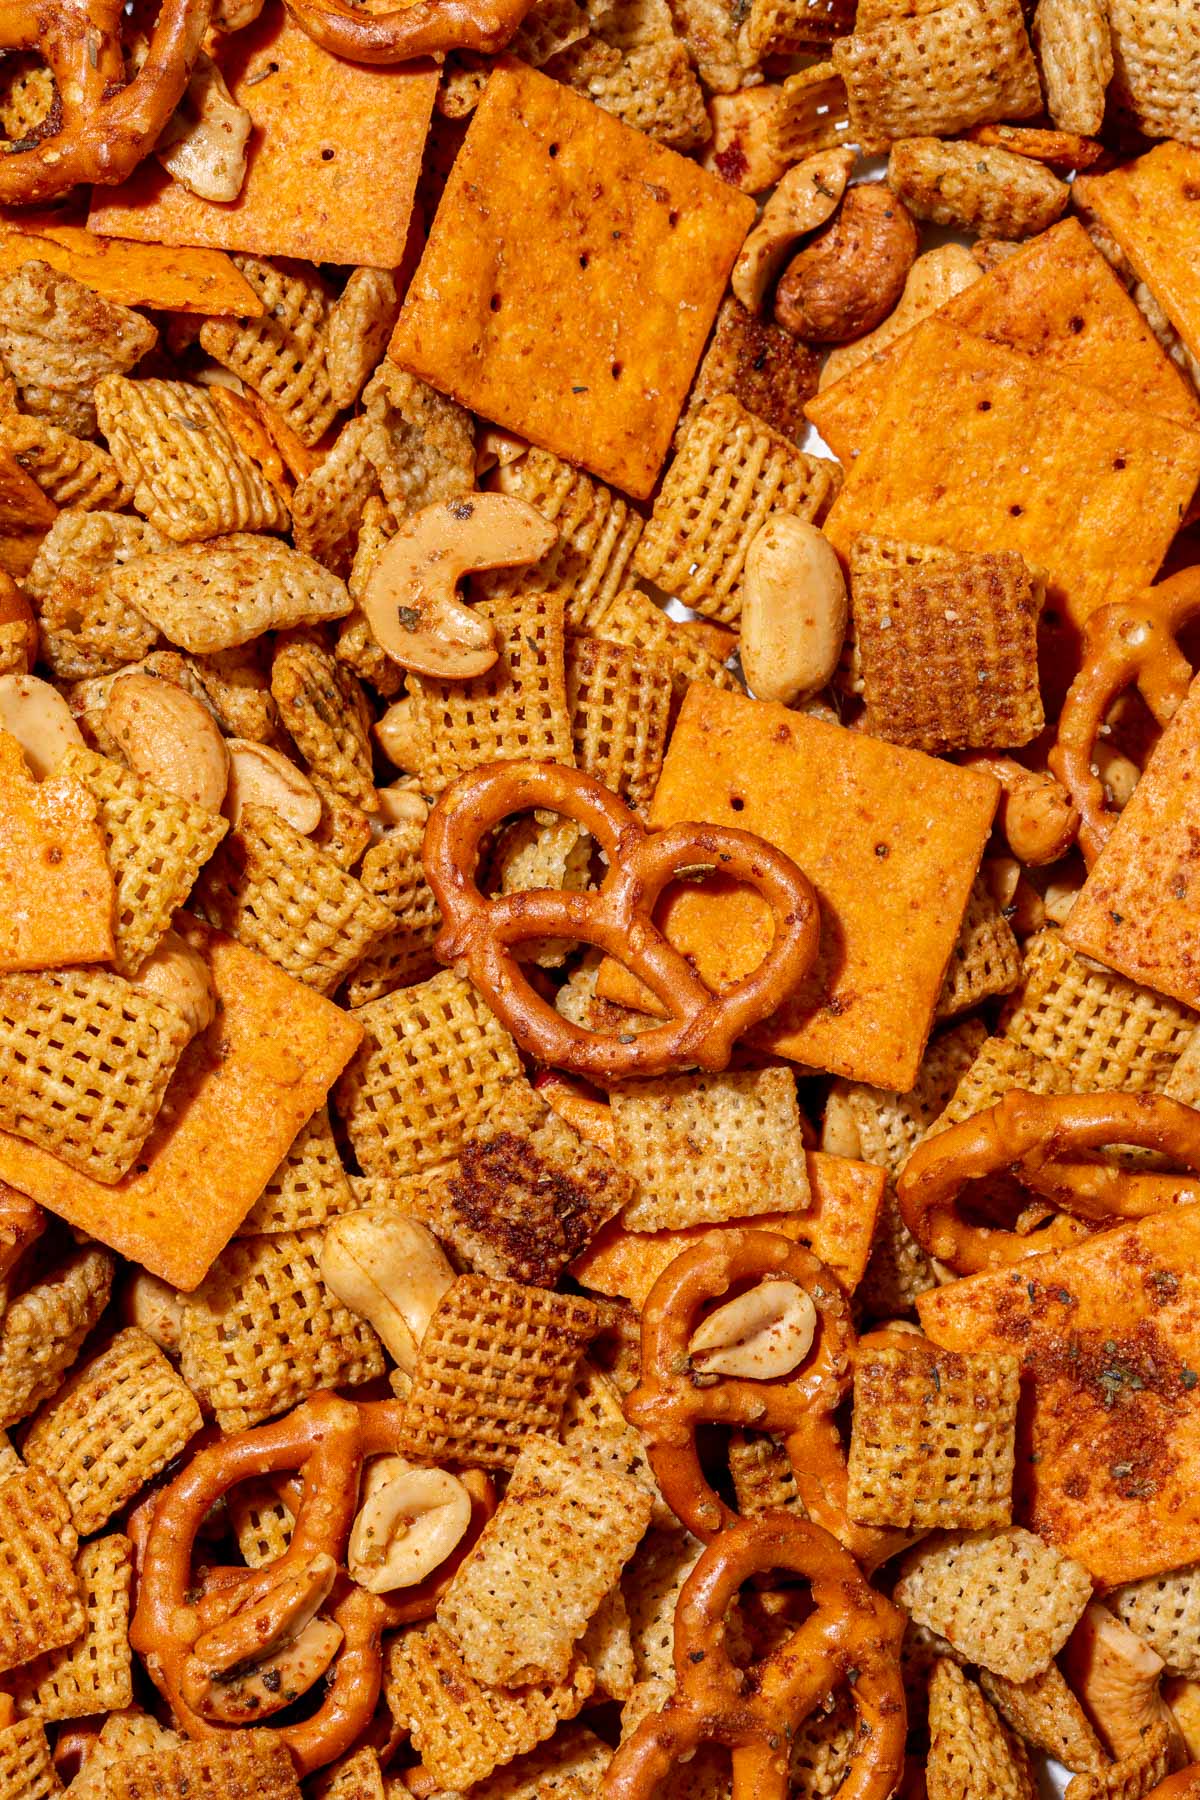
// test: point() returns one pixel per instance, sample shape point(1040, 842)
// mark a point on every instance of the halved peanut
point(764, 1333)
point(155, 1307)
point(40, 719)
point(260, 775)
point(409, 1521)
point(495, 449)
point(410, 602)
point(402, 803)
point(805, 197)
point(794, 610)
point(204, 145)
point(391, 1271)
point(177, 973)
point(169, 737)
point(248, 1694)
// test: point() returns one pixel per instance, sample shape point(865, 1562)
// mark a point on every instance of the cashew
point(495, 448)
point(765, 1332)
point(1116, 1675)
point(391, 1271)
point(409, 1521)
point(248, 1694)
point(204, 144)
point(402, 803)
point(1060, 895)
point(156, 1307)
point(410, 602)
point(1016, 897)
point(40, 719)
point(176, 972)
point(260, 775)
point(397, 736)
point(18, 628)
point(167, 736)
point(806, 196)
point(850, 276)
point(794, 610)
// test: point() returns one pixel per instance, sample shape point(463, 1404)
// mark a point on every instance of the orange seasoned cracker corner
point(1152, 209)
point(173, 279)
point(572, 273)
point(56, 892)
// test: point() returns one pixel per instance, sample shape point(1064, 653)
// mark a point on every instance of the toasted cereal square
point(119, 1420)
point(890, 1126)
point(58, 338)
point(652, 1582)
point(43, 1328)
point(767, 370)
point(1164, 1610)
point(357, 328)
point(555, 351)
point(262, 1521)
point(41, 1605)
point(933, 1439)
point(231, 1765)
point(812, 113)
point(1005, 1599)
point(309, 1187)
point(976, 188)
point(190, 477)
point(730, 473)
point(608, 1647)
point(651, 87)
point(86, 629)
point(620, 705)
point(962, 64)
point(598, 533)
point(52, 854)
point(563, 1532)
point(93, 1673)
point(326, 712)
point(157, 845)
point(73, 472)
point(762, 1475)
point(1047, 1716)
point(355, 1776)
point(899, 1270)
point(529, 854)
point(985, 961)
point(710, 1147)
point(970, 1752)
point(427, 450)
point(1156, 50)
point(84, 1064)
point(1074, 48)
point(328, 504)
point(948, 645)
point(1002, 1065)
point(594, 1424)
point(432, 1064)
point(1133, 1777)
point(392, 871)
point(497, 1362)
point(568, 1766)
point(228, 591)
point(262, 1331)
point(123, 1735)
point(696, 651)
point(788, 27)
point(281, 356)
point(27, 1770)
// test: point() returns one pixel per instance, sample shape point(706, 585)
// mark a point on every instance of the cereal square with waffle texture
point(323, 706)
point(1075, 53)
point(232, 1765)
point(970, 1751)
point(598, 533)
point(933, 1442)
point(1046, 1715)
point(309, 1187)
point(393, 871)
point(27, 1770)
point(93, 1673)
point(1156, 49)
point(949, 67)
point(227, 591)
point(86, 628)
point(694, 649)
point(568, 1766)
point(73, 472)
point(620, 715)
point(120, 1419)
point(563, 1532)
point(282, 355)
point(649, 86)
point(1133, 1777)
point(985, 961)
point(974, 187)
point(497, 1362)
point(58, 338)
point(41, 1603)
point(43, 1328)
point(948, 645)
point(1164, 1610)
point(555, 214)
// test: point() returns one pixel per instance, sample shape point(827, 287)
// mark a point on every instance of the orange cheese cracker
point(1056, 299)
point(979, 447)
point(890, 839)
point(175, 280)
point(56, 892)
point(570, 279)
point(333, 158)
point(1108, 1428)
point(242, 1091)
point(837, 1226)
point(1152, 208)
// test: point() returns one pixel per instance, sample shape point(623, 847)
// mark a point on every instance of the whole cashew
point(409, 1521)
point(391, 1271)
point(167, 736)
point(764, 1333)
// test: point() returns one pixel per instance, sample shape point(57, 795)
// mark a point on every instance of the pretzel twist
point(427, 28)
point(1136, 644)
point(102, 125)
point(1029, 1134)
point(482, 932)
point(672, 1400)
point(852, 1637)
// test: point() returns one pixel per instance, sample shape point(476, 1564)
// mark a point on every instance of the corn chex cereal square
point(594, 1425)
point(43, 1329)
point(694, 649)
point(970, 1752)
point(1134, 1776)
point(890, 1126)
point(563, 1532)
point(1164, 1610)
point(766, 369)
point(355, 1776)
point(326, 712)
point(1045, 1714)
point(58, 338)
point(933, 1441)
point(41, 1606)
point(957, 65)
point(27, 1770)
point(985, 961)
point(86, 628)
point(119, 1420)
point(762, 1475)
point(234, 1765)
point(598, 533)
point(393, 871)
point(652, 1582)
point(73, 472)
point(620, 715)
point(226, 592)
point(568, 1766)
point(1156, 48)
point(280, 356)
point(92, 1674)
point(506, 288)
point(309, 1187)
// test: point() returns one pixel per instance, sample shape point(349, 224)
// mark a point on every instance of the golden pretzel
point(672, 1400)
point(1135, 642)
point(1031, 1134)
point(427, 28)
point(101, 125)
point(851, 1639)
point(482, 932)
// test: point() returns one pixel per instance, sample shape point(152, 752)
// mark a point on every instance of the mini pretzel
point(852, 1637)
point(103, 124)
point(1135, 643)
point(672, 1400)
point(1029, 1134)
point(427, 28)
point(618, 919)
point(189, 1638)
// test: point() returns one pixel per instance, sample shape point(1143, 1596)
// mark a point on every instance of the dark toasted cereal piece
point(970, 1752)
point(57, 338)
point(224, 593)
point(767, 369)
point(231, 1765)
point(975, 188)
point(985, 961)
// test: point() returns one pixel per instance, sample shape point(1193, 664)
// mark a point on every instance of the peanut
point(40, 719)
point(804, 199)
point(764, 1333)
point(397, 736)
point(169, 737)
point(409, 1521)
point(156, 1307)
point(402, 803)
point(260, 775)
point(391, 1271)
point(794, 610)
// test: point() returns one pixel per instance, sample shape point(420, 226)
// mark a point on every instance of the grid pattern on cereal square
point(431, 1065)
point(1046, 1715)
point(58, 337)
point(86, 629)
point(598, 533)
point(73, 472)
point(496, 1363)
point(281, 355)
point(394, 872)
point(309, 1187)
point(947, 644)
point(898, 1271)
point(890, 1126)
point(119, 1420)
point(1157, 52)
point(970, 1752)
point(84, 1063)
point(986, 959)
point(632, 618)
point(540, 850)
point(263, 1331)
point(1003, 1598)
point(1075, 54)
point(620, 706)
point(568, 1766)
point(327, 505)
point(933, 1438)
point(593, 1421)
point(708, 1147)
point(226, 592)
point(763, 366)
point(27, 1769)
point(1164, 1610)
point(651, 86)
point(190, 477)
point(41, 1607)
point(1106, 1031)
point(1001, 1065)
point(518, 709)
point(762, 1475)
point(548, 27)
point(344, 829)
point(327, 715)
point(93, 1673)
point(563, 1531)
point(965, 64)
point(787, 27)
point(233, 1765)
point(730, 473)
point(652, 1582)
point(157, 844)
point(355, 1776)
point(262, 1521)
point(43, 1328)
point(979, 188)
point(276, 892)
point(1135, 1776)
point(462, 1729)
